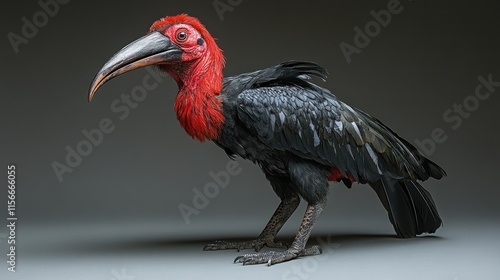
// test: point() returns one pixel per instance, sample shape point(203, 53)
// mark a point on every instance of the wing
point(289, 113)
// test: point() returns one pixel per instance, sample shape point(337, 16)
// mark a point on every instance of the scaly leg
point(297, 249)
point(266, 238)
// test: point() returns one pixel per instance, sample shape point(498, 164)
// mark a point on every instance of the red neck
point(198, 106)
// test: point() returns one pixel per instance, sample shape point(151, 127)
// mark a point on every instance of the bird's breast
point(200, 114)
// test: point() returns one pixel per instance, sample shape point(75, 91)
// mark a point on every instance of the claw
point(238, 258)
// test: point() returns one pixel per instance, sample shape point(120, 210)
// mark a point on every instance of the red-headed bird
point(299, 134)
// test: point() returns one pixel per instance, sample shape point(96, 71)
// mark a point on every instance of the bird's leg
point(279, 218)
point(298, 247)
point(266, 238)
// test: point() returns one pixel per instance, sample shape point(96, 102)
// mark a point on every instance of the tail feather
point(427, 216)
point(434, 170)
point(410, 207)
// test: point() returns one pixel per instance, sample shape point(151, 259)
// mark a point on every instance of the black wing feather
point(289, 113)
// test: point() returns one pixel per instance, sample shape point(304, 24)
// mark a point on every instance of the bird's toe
point(268, 258)
point(256, 244)
point(273, 257)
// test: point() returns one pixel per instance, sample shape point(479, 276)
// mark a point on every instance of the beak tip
point(94, 86)
point(91, 95)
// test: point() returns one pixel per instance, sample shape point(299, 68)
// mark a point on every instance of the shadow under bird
point(299, 134)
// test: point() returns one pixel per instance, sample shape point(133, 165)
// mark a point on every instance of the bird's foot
point(256, 244)
point(277, 257)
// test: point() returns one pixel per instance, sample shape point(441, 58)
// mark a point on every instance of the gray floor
point(155, 250)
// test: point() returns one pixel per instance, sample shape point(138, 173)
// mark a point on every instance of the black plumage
point(295, 129)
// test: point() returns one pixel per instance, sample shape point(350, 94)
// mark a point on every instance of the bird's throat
point(200, 114)
point(198, 105)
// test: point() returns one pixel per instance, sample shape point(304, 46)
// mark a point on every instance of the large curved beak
point(151, 49)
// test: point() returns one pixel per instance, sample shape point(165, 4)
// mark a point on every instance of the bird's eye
point(181, 35)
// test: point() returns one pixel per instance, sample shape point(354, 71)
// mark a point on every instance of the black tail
point(410, 207)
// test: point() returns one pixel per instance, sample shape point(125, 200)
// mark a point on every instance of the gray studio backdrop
point(124, 159)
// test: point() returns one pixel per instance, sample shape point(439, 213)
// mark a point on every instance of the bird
point(300, 135)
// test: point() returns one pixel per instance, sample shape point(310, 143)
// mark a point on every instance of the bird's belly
point(271, 161)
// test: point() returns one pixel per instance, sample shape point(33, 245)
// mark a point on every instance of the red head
point(200, 52)
point(181, 46)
